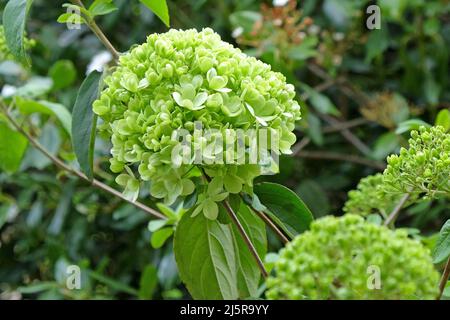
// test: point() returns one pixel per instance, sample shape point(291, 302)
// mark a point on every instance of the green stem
point(394, 214)
point(444, 279)
point(98, 32)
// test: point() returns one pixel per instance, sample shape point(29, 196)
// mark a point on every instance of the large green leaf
point(442, 249)
point(14, 19)
point(159, 7)
point(285, 208)
point(12, 148)
point(84, 122)
point(206, 259)
point(27, 106)
point(249, 274)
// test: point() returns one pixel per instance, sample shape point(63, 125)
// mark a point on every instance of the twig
point(299, 146)
point(444, 279)
point(245, 237)
point(394, 214)
point(241, 230)
point(272, 225)
point(98, 32)
point(59, 163)
point(341, 157)
point(345, 125)
point(348, 135)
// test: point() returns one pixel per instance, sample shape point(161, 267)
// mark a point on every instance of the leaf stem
point(394, 214)
point(98, 32)
point(245, 237)
point(272, 225)
point(59, 163)
point(241, 230)
point(444, 279)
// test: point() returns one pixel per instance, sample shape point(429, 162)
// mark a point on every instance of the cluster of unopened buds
point(170, 83)
point(349, 258)
point(423, 168)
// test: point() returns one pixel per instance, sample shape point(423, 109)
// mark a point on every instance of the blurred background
point(361, 92)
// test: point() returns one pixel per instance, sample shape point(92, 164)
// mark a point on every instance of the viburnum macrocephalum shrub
point(334, 260)
point(423, 168)
point(170, 83)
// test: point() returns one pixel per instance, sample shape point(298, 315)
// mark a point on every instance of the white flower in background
point(8, 91)
point(99, 61)
point(280, 3)
point(237, 32)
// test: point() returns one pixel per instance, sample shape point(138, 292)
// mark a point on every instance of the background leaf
point(27, 106)
point(84, 123)
point(14, 20)
point(12, 148)
point(159, 7)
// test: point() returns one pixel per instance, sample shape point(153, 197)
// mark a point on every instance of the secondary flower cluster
point(179, 78)
point(423, 168)
point(369, 197)
point(348, 258)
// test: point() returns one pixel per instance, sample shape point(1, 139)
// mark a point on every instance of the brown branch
point(348, 135)
point(394, 214)
point(345, 125)
point(444, 279)
point(324, 155)
point(98, 32)
point(59, 163)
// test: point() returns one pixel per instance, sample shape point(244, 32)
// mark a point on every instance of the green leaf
point(35, 87)
point(14, 20)
point(442, 249)
point(102, 7)
point(84, 123)
point(159, 237)
point(244, 19)
point(148, 282)
point(158, 7)
point(443, 119)
point(377, 43)
point(385, 145)
point(304, 50)
point(70, 17)
point(27, 106)
point(249, 274)
point(12, 148)
point(63, 74)
point(286, 209)
point(409, 125)
point(321, 102)
point(157, 224)
point(206, 258)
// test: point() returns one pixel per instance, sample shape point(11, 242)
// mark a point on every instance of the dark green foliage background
point(47, 223)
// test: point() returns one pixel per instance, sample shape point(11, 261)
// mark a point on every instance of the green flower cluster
point(174, 81)
point(348, 258)
point(423, 168)
point(5, 53)
point(370, 198)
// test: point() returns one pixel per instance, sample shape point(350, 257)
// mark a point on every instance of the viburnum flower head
point(349, 258)
point(179, 79)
